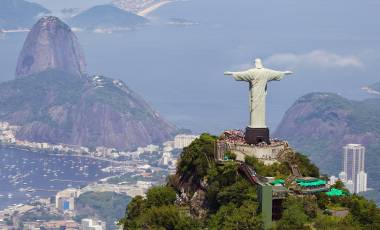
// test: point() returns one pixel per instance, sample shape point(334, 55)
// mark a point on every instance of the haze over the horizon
point(331, 46)
point(59, 4)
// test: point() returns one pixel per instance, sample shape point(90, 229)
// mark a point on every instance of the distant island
point(106, 18)
point(19, 14)
point(373, 89)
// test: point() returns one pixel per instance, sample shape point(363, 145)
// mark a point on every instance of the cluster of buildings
point(91, 224)
point(8, 137)
point(353, 173)
point(180, 141)
point(143, 168)
point(86, 224)
point(62, 206)
point(65, 200)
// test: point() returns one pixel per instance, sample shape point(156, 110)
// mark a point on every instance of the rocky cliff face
point(50, 103)
point(50, 45)
point(320, 124)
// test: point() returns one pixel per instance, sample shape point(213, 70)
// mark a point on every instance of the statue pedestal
point(254, 136)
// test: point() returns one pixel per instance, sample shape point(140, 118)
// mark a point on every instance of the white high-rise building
point(333, 180)
point(353, 174)
point(91, 224)
point(183, 140)
point(361, 181)
point(342, 176)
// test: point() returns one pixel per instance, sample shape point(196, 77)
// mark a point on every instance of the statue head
point(258, 63)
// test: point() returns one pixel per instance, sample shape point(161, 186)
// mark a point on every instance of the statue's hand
point(228, 73)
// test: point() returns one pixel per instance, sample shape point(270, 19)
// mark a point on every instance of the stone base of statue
point(255, 136)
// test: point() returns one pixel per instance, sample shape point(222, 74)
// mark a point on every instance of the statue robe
point(258, 79)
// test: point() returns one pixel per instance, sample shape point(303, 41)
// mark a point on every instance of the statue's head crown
point(258, 63)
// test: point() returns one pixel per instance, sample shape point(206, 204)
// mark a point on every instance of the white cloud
point(317, 58)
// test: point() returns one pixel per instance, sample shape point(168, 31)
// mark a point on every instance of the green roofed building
point(335, 192)
point(277, 182)
point(310, 185)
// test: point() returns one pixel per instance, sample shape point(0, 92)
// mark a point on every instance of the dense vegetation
point(230, 201)
point(104, 205)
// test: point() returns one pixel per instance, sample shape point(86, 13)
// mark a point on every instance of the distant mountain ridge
point(15, 14)
point(106, 17)
point(320, 124)
point(376, 86)
point(57, 105)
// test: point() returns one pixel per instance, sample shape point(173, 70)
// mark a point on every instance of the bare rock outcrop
point(50, 45)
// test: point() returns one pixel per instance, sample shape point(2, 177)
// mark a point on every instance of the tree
point(324, 222)
point(310, 206)
point(196, 160)
point(168, 217)
point(160, 195)
point(236, 193)
point(293, 216)
point(363, 211)
point(322, 200)
point(307, 168)
point(232, 217)
point(134, 209)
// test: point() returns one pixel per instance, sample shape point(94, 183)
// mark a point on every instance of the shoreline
point(15, 31)
point(370, 90)
point(55, 153)
point(152, 8)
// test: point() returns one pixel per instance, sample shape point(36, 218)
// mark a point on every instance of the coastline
point(370, 90)
point(152, 8)
point(56, 153)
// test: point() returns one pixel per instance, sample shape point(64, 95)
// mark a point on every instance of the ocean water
point(26, 176)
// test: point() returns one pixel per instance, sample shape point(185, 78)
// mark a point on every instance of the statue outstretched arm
point(239, 76)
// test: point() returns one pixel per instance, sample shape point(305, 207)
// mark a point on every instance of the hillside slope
point(205, 194)
point(57, 107)
point(320, 124)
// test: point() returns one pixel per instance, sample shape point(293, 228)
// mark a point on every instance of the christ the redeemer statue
point(258, 79)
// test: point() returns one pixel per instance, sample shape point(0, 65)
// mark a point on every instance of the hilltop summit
point(50, 45)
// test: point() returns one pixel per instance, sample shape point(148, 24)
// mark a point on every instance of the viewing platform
point(233, 141)
point(309, 185)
